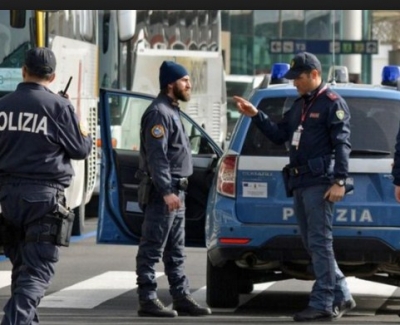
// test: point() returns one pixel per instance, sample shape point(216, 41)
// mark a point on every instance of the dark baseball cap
point(303, 61)
point(41, 60)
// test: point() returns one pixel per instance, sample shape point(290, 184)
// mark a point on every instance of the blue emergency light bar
point(390, 75)
point(338, 73)
point(277, 73)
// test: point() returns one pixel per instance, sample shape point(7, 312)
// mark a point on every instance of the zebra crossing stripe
point(92, 292)
point(5, 278)
point(364, 287)
point(99, 289)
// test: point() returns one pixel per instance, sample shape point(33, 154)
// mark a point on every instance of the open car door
point(120, 218)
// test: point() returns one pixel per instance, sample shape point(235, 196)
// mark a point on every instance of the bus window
point(86, 25)
point(15, 40)
point(17, 18)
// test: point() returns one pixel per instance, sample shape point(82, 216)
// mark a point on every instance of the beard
point(181, 94)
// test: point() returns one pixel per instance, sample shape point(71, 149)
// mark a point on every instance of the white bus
point(189, 37)
point(132, 60)
point(72, 35)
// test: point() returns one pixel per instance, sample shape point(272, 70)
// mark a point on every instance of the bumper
point(350, 251)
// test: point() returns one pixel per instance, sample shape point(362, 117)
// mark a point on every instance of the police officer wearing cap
point(165, 157)
point(39, 135)
point(317, 127)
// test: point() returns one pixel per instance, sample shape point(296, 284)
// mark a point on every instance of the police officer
point(165, 157)
point(39, 135)
point(317, 127)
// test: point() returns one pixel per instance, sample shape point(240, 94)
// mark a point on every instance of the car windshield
point(374, 125)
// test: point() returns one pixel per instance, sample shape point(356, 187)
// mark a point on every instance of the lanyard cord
point(306, 108)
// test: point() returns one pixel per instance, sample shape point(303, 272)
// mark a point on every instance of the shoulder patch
point(157, 131)
point(332, 95)
point(340, 114)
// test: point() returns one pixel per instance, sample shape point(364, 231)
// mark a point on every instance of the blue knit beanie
point(170, 72)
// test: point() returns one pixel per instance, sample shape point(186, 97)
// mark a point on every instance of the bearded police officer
point(166, 161)
point(39, 135)
point(317, 128)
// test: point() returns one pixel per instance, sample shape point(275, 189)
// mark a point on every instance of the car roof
point(344, 89)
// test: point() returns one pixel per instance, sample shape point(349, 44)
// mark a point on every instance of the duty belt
point(180, 183)
point(14, 180)
point(299, 170)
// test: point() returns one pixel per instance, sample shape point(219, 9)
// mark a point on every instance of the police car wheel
point(246, 286)
point(222, 285)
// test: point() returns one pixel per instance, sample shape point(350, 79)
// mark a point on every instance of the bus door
point(120, 217)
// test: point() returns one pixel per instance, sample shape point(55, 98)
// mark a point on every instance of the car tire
point(222, 285)
point(245, 286)
point(245, 282)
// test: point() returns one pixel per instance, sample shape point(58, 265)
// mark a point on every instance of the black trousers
point(23, 205)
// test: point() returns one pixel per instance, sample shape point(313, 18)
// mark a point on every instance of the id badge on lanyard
point(297, 134)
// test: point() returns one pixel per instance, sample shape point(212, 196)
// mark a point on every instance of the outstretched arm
point(245, 107)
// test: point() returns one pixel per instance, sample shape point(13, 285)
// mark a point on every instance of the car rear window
point(374, 126)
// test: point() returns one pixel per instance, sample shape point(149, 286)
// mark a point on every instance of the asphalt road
point(95, 284)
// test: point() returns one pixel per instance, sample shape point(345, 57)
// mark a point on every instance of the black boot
point(344, 307)
point(155, 307)
point(188, 306)
point(310, 314)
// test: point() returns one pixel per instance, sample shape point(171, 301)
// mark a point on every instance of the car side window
point(199, 143)
point(374, 123)
point(256, 143)
point(125, 115)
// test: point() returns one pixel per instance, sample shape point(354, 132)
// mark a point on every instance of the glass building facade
point(250, 33)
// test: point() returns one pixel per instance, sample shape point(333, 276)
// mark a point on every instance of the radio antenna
point(333, 47)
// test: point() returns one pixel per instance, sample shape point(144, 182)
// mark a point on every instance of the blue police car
point(236, 204)
point(251, 230)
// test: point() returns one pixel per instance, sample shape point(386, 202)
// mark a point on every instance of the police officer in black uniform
point(317, 127)
point(165, 158)
point(39, 135)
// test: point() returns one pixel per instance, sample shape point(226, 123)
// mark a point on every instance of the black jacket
point(165, 151)
point(325, 134)
point(39, 135)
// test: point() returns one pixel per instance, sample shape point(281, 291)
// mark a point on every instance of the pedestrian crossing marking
point(5, 278)
point(92, 292)
point(363, 287)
